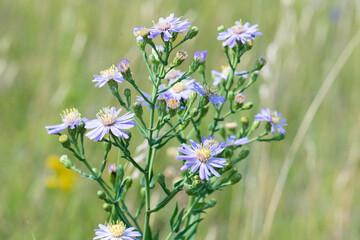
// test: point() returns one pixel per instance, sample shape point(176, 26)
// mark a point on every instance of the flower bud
point(106, 146)
point(260, 63)
point(129, 182)
point(204, 110)
point(184, 125)
point(249, 44)
point(127, 92)
point(107, 207)
point(196, 183)
point(199, 58)
point(81, 127)
point(192, 32)
point(235, 178)
point(221, 28)
point(161, 179)
point(65, 160)
point(124, 67)
point(248, 105)
point(231, 126)
point(245, 122)
point(240, 81)
point(64, 140)
point(101, 195)
point(142, 192)
point(212, 203)
point(255, 125)
point(190, 190)
point(193, 96)
point(138, 110)
point(194, 112)
point(179, 58)
point(204, 101)
point(153, 59)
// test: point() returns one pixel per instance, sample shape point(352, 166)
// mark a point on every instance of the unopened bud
point(221, 28)
point(212, 203)
point(245, 122)
point(231, 96)
point(96, 171)
point(194, 112)
point(106, 146)
point(124, 67)
point(192, 32)
point(179, 58)
point(138, 109)
point(127, 92)
point(65, 160)
point(101, 195)
point(190, 190)
point(161, 178)
point(107, 207)
point(235, 178)
point(64, 140)
point(248, 105)
point(153, 58)
point(196, 183)
point(260, 63)
point(249, 44)
point(129, 182)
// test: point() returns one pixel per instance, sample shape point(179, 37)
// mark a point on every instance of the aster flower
point(70, 117)
point(167, 26)
point(210, 140)
point(172, 104)
point(112, 168)
point(181, 90)
point(238, 33)
point(230, 141)
point(106, 121)
point(202, 157)
point(112, 73)
point(200, 56)
point(123, 65)
point(274, 118)
point(225, 70)
point(210, 92)
point(240, 98)
point(140, 33)
point(116, 231)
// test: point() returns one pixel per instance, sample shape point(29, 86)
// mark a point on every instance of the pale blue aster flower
point(225, 70)
point(210, 92)
point(106, 121)
point(200, 56)
point(230, 141)
point(112, 168)
point(123, 65)
point(202, 157)
point(112, 73)
point(274, 118)
point(182, 89)
point(70, 117)
point(116, 231)
point(240, 33)
point(140, 33)
point(167, 26)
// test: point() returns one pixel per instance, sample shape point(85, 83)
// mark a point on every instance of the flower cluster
point(177, 108)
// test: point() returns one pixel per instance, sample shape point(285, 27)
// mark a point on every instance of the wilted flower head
point(179, 57)
point(106, 121)
point(225, 70)
point(112, 73)
point(167, 26)
point(116, 231)
point(140, 33)
point(202, 157)
point(174, 74)
point(210, 92)
point(238, 32)
point(274, 118)
point(70, 117)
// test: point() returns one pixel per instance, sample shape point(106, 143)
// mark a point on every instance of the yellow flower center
point(203, 154)
point(239, 98)
point(173, 104)
point(117, 230)
point(238, 29)
point(179, 87)
point(106, 117)
point(274, 118)
point(225, 70)
point(70, 116)
point(111, 71)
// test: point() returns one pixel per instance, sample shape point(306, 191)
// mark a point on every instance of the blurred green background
point(49, 51)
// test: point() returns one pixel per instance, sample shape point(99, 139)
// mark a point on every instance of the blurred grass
point(50, 49)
